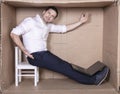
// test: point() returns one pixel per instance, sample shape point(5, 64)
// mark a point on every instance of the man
point(35, 31)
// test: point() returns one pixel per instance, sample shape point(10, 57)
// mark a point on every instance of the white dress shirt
point(35, 32)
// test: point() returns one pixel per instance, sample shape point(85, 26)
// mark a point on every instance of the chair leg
point(35, 77)
point(16, 77)
point(19, 75)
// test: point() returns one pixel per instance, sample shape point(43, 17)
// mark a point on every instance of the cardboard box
point(96, 40)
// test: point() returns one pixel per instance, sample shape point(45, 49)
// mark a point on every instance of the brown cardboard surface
point(7, 22)
point(97, 40)
point(110, 41)
point(118, 67)
point(61, 3)
point(84, 44)
point(59, 86)
point(0, 54)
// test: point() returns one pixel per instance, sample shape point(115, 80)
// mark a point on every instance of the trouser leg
point(52, 62)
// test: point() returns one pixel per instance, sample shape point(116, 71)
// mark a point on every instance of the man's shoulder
point(28, 19)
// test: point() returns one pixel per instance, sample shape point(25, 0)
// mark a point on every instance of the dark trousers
point(46, 59)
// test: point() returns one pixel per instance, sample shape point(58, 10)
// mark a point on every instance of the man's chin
point(48, 21)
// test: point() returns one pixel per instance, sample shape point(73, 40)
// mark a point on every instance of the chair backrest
point(18, 56)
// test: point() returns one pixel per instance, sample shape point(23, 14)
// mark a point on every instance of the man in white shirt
point(35, 30)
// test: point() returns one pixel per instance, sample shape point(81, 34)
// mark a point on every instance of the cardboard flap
point(60, 3)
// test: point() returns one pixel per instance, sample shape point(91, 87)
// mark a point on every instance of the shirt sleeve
point(57, 28)
point(23, 27)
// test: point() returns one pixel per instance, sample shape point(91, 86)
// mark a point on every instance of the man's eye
point(48, 12)
point(53, 16)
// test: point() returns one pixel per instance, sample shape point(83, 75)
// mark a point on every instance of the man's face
point(49, 15)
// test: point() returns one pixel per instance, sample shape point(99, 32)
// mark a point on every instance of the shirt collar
point(39, 20)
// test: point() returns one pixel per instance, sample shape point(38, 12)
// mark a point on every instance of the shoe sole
point(103, 78)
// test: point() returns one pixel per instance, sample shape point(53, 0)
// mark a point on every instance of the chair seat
point(24, 65)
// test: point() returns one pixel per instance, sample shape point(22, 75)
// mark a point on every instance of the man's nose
point(49, 16)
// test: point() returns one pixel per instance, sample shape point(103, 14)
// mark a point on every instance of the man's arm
point(18, 42)
point(82, 20)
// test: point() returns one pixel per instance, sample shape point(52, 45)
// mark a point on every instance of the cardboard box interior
point(110, 42)
point(118, 67)
point(61, 3)
point(96, 40)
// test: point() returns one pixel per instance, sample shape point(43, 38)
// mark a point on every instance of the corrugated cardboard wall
point(0, 52)
point(119, 46)
point(118, 67)
point(63, 3)
point(8, 21)
point(82, 46)
point(110, 41)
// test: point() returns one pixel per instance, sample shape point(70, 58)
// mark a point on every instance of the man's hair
point(53, 8)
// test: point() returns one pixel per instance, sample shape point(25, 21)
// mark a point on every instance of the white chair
point(24, 68)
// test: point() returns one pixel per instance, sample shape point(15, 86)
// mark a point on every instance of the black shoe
point(101, 76)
